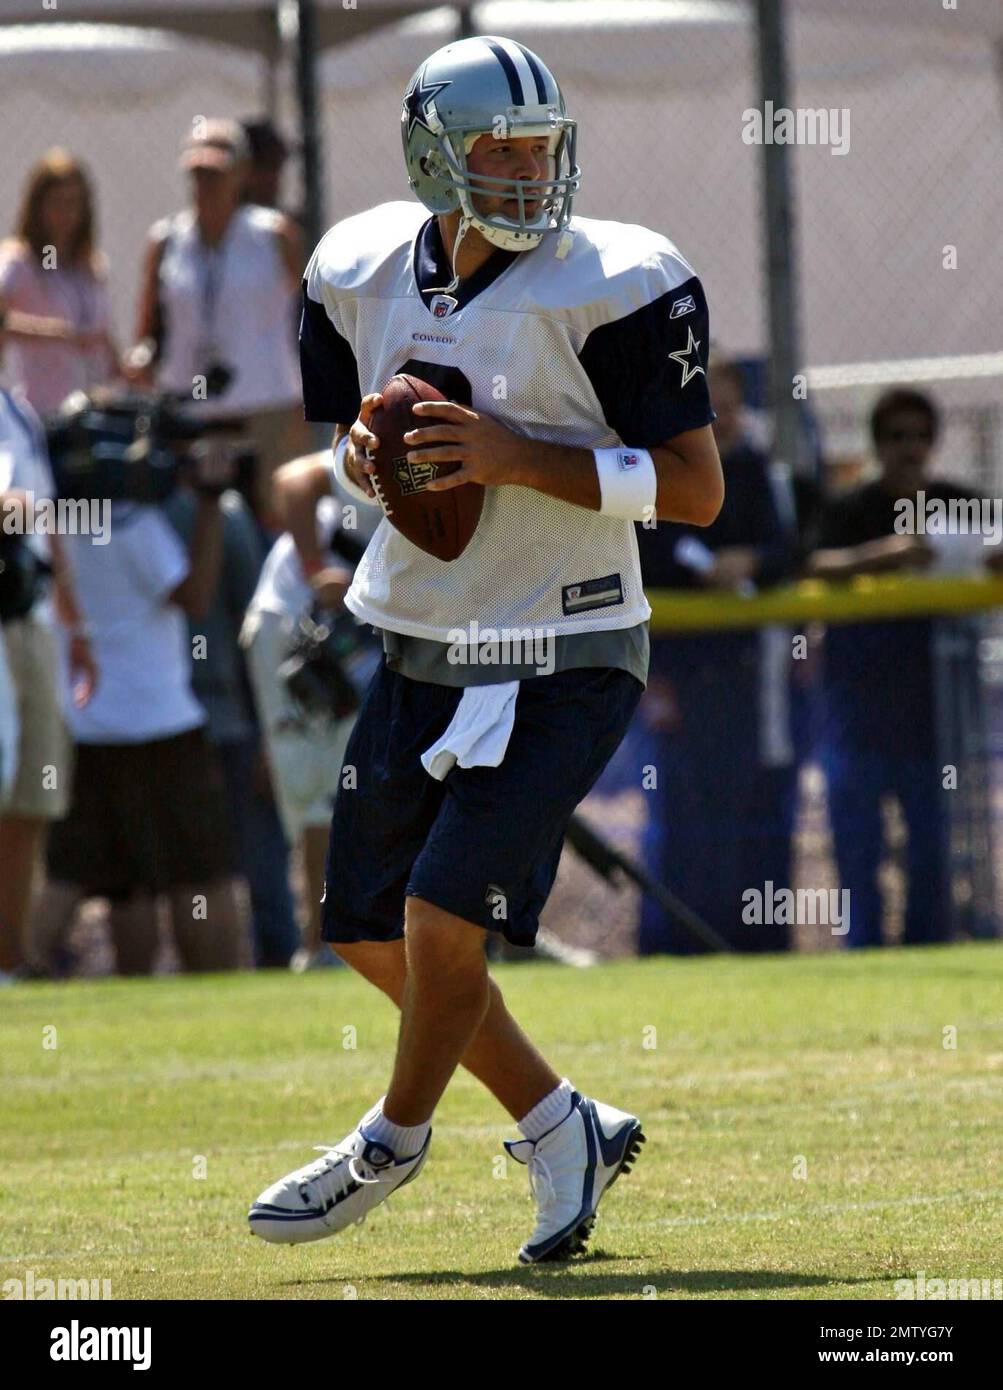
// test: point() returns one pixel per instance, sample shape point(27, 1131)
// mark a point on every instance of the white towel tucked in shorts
point(479, 731)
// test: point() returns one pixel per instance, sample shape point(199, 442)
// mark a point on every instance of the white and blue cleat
point(570, 1170)
point(333, 1192)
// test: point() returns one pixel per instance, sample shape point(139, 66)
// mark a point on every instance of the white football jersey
point(604, 345)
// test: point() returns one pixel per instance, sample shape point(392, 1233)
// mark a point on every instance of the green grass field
point(839, 1061)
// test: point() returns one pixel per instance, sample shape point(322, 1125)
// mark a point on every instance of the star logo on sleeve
point(417, 99)
point(684, 355)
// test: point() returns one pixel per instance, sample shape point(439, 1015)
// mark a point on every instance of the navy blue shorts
point(484, 843)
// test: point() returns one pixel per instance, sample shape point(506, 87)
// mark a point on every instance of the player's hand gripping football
point(360, 440)
point(489, 453)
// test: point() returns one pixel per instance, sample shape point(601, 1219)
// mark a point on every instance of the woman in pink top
point(53, 289)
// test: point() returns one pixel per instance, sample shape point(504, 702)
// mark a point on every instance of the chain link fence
point(897, 198)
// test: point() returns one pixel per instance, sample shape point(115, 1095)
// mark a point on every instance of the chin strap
point(465, 224)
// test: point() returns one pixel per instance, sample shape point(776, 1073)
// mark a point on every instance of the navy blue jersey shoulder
point(331, 391)
point(649, 369)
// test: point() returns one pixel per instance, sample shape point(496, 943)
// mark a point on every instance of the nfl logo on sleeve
point(627, 461)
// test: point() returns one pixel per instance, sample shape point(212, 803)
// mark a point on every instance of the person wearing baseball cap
point(219, 284)
point(216, 144)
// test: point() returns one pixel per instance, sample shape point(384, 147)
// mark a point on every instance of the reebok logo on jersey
point(683, 306)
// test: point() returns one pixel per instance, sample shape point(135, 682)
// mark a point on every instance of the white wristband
point(628, 483)
point(341, 473)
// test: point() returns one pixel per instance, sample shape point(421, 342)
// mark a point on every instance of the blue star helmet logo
point(416, 102)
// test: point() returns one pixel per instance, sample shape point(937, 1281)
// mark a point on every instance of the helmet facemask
point(555, 193)
point(448, 163)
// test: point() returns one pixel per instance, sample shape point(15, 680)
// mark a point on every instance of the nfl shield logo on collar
point(442, 305)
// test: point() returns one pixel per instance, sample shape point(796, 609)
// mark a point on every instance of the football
point(440, 523)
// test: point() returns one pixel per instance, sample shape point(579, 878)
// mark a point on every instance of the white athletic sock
point(548, 1112)
point(405, 1141)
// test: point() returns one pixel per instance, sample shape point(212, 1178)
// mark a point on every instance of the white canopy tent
point(247, 24)
point(251, 23)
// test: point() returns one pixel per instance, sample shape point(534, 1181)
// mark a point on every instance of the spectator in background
point(305, 751)
point(219, 681)
point(263, 182)
point(705, 711)
point(268, 155)
point(38, 760)
point(53, 286)
point(219, 283)
point(880, 726)
point(148, 806)
point(10, 729)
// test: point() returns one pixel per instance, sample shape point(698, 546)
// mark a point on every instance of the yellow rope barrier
point(819, 601)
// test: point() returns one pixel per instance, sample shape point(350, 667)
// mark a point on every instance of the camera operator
point(310, 566)
point(148, 811)
point(220, 682)
point(38, 754)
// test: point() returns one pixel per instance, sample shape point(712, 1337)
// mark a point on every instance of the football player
point(572, 353)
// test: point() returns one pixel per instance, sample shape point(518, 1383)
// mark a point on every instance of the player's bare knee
point(439, 940)
point(381, 964)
